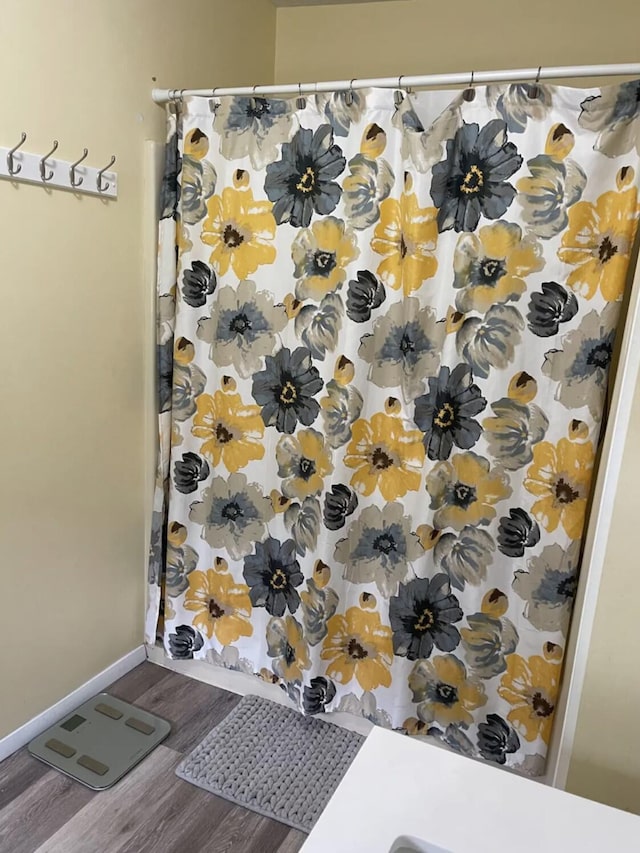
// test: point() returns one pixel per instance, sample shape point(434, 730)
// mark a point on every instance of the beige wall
point(605, 762)
point(423, 36)
point(72, 489)
point(419, 37)
point(72, 322)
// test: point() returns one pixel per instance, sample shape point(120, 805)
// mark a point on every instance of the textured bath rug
point(272, 760)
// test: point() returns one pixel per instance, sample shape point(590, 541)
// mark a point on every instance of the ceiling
point(323, 2)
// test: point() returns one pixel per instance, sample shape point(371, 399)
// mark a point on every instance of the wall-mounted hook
point(43, 163)
point(102, 189)
point(14, 168)
point(72, 169)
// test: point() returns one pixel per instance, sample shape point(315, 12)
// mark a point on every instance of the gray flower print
point(531, 765)
point(242, 327)
point(272, 574)
point(379, 548)
point(189, 472)
point(303, 181)
point(512, 432)
point(445, 414)
point(517, 107)
point(286, 389)
point(369, 182)
point(164, 361)
point(425, 148)
point(304, 521)
point(342, 108)
point(472, 179)
point(490, 341)
point(156, 548)
point(366, 707)
point(404, 348)
point(365, 294)
point(181, 560)
point(548, 309)
point(318, 606)
point(319, 326)
point(253, 127)
point(496, 739)
point(422, 616)
point(454, 737)
point(229, 658)
point(464, 557)
point(233, 514)
point(339, 410)
point(581, 367)
point(615, 116)
point(197, 184)
point(487, 642)
point(549, 586)
point(516, 532)
point(548, 192)
point(166, 318)
point(188, 383)
point(184, 642)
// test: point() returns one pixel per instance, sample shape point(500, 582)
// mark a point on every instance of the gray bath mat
point(272, 760)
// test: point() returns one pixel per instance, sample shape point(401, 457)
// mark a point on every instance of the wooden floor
point(150, 809)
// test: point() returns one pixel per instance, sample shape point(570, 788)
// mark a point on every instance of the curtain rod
point(517, 75)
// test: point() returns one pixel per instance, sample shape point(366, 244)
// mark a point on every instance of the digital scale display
point(73, 723)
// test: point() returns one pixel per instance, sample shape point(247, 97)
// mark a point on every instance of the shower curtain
point(385, 325)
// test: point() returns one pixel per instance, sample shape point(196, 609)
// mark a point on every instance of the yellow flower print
point(286, 644)
point(232, 432)
point(240, 230)
point(491, 266)
point(303, 460)
point(559, 477)
point(530, 687)
point(358, 646)
point(385, 456)
point(222, 606)
point(406, 236)
point(321, 254)
point(464, 490)
point(444, 692)
point(598, 243)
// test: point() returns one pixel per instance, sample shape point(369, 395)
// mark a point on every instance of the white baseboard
point(242, 684)
point(20, 737)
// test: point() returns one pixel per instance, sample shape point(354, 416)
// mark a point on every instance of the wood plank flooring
point(150, 810)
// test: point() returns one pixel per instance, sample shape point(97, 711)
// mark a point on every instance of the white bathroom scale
point(100, 741)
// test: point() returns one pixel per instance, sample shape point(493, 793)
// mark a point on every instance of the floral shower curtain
point(385, 324)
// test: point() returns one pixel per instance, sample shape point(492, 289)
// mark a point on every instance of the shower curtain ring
point(253, 97)
point(534, 90)
point(348, 98)
point(301, 102)
point(398, 97)
point(470, 93)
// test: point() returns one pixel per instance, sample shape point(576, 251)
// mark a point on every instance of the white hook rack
point(47, 171)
